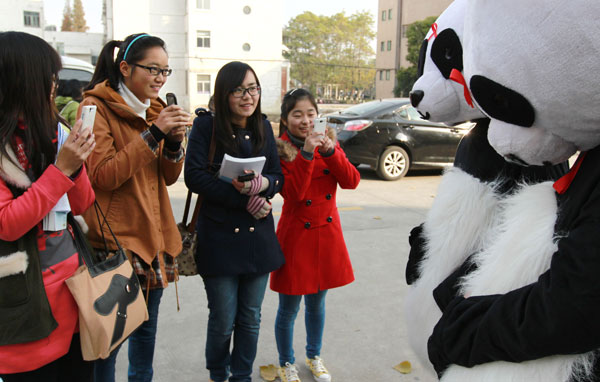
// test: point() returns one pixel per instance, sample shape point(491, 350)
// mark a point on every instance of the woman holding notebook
point(237, 246)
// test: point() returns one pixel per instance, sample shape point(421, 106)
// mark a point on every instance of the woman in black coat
point(237, 246)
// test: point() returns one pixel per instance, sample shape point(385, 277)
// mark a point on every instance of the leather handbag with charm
point(108, 294)
point(186, 264)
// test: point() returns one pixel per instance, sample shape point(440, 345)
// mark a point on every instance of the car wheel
point(393, 163)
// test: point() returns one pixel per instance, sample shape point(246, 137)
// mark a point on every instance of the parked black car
point(391, 137)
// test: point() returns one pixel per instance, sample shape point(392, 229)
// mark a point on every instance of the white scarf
point(138, 106)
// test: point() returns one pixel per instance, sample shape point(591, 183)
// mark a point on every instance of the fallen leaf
point(268, 373)
point(377, 217)
point(404, 367)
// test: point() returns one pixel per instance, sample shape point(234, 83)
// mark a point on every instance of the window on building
point(203, 4)
point(381, 75)
point(31, 19)
point(382, 46)
point(203, 83)
point(387, 75)
point(389, 14)
point(389, 45)
point(382, 15)
point(203, 39)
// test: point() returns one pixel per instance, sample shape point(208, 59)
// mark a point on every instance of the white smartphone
point(320, 125)
point(88, 115)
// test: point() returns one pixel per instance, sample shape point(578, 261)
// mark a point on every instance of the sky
point(93, 8)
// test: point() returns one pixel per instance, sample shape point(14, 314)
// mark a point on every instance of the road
point(365, 335)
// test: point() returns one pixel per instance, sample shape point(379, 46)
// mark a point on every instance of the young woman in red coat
point(309, 230)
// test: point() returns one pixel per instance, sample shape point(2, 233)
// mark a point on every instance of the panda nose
point(415, 97)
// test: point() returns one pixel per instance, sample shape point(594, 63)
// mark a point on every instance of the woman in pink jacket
point(309, 230)
point(38, 315)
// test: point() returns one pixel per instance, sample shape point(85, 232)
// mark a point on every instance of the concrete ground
point(365, 335)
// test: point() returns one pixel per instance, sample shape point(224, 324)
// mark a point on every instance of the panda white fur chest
point(518, 249)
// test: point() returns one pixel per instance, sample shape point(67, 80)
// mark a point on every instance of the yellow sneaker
point(288, 373)
point(319, 372)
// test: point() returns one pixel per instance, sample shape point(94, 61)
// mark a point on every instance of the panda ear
point(447, 53)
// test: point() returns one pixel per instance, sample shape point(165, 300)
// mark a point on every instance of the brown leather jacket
point(130, 179)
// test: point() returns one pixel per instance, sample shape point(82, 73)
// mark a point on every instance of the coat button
point(246, 137)
point(307, 225)
point(326, 171)
point(237, 230)
point(233, 136)
point(329, 219)
point(308, 202)
point(328, 196)
point(251, 229)
point(277, 182)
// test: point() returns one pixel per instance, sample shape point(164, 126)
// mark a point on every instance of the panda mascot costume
point(527, 306)
point(469, 194)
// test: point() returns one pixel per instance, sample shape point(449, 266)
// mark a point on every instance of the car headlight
point(357, 125)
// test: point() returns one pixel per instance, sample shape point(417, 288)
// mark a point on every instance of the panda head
point(533, 67)
point(438, 94)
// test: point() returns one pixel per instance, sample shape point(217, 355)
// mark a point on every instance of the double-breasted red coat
point(309, 230)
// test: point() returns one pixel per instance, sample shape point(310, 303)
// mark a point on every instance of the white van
point(74, 68)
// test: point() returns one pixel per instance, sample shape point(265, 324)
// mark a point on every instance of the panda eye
point(502, 103)
point(448, 54)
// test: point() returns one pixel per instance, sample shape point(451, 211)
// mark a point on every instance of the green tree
point(79, 24)
point(331, 50)
point(67, 22)
point(415, 34)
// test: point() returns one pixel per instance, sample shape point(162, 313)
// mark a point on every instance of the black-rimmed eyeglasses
point(155, 71)
point(240, 92)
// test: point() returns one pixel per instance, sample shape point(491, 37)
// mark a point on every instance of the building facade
point(23, 16)
point(202, 36)
point(393, 19)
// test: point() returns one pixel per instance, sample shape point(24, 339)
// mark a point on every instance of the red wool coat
point(309, 230)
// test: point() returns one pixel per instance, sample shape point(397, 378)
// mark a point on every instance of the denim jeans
point(314, 319)
point(141, 348)
point(234, 303)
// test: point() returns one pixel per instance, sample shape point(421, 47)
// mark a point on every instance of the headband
point(131, 43)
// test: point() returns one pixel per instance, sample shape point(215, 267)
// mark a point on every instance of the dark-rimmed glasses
point(155, 71)
point(240, 92)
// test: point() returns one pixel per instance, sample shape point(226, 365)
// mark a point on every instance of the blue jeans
point(234, 303)
point(141, 348)
point(314, 319)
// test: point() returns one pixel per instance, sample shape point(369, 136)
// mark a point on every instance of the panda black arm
point(558, 314)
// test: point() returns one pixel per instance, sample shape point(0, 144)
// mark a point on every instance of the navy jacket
point(230, 240)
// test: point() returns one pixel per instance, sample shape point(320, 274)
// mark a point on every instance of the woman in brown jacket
point(138, 154)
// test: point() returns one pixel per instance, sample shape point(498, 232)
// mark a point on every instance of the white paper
point(233, 167)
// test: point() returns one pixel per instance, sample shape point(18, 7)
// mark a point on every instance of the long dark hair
point(69, 88)
point(134, 45)
point(289, 102)
point(29, 69)
point(230, 77)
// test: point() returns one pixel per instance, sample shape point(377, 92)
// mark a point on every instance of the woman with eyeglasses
point(237, 246)
point(138, 154)
point(39, 328)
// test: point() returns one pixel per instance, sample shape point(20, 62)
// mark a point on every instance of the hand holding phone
point(88, 116)
point(320, 125)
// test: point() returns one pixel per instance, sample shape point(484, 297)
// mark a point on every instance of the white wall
point(11, 14)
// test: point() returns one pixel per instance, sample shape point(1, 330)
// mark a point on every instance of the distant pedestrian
point(138, 155)
point(237, 246)
point(309, 230)
point(68, 96)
